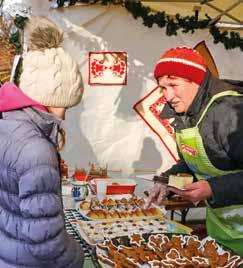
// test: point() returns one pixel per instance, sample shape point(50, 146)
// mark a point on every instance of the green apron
point(223, 224)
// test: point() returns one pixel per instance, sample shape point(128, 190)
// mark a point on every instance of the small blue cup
point(79, 192)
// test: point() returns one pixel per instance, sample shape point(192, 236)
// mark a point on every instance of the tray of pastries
point(117, 207)
point(94, 232)
point(162, 250)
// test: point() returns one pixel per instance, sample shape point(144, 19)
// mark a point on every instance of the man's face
point(179, 92)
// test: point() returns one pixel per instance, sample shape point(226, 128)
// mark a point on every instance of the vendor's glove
point(156, 194)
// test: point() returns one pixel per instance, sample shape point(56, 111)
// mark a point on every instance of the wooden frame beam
point(225, 12)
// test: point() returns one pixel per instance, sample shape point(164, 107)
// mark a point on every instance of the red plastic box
point(117, 186)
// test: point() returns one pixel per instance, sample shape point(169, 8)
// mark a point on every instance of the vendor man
point(208, 123)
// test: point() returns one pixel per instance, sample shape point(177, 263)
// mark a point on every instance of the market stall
point(105, 210)
point(117, 231)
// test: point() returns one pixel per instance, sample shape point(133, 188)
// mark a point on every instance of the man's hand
point(194, 192)
point(156, 194)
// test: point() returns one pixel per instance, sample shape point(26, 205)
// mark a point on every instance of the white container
point(101, 187)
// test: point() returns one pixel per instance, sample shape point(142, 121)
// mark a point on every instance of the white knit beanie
point(52, 78)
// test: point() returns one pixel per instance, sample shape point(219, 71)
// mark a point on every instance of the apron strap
point(221, 94)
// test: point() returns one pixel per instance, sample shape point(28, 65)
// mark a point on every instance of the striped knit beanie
point(183, 62)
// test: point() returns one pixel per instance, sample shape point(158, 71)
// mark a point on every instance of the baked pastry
point(85, 205)
point(112, 202)
point(97, 214)
point(123, 203)
point(138, 213)
point(92, 214)
point(124, 214)
point(152, 212)
point(109, 203)
point(115, 215)
point(140, 202)
point(180, 180)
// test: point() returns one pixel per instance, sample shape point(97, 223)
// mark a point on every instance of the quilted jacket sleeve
point(41, 207)
point(227, 190)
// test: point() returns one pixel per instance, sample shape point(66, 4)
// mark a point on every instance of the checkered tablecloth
point(71, 218)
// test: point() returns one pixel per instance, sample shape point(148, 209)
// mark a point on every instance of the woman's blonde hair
point(42, 33)
point(61, 139)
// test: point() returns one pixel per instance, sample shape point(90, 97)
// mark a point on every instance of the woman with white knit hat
point(32, 228)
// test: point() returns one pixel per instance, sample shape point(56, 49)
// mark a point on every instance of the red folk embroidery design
point(156, 109)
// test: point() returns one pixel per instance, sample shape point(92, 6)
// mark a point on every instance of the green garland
point(187, 24)
point(19, 22)
point(15, 37)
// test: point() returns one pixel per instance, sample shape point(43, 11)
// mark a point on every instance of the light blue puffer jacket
point(32, 232)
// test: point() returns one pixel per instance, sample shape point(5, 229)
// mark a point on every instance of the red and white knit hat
point(183, 62)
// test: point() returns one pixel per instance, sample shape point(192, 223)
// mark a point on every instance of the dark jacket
point(32, 232)
point(222, 135)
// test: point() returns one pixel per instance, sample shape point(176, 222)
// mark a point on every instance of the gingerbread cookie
point(173, 254)
point(106, 260)
point(107, 244)
point(136, 239)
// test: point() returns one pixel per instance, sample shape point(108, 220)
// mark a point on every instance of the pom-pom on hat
point(183, 62)
point(50, 75)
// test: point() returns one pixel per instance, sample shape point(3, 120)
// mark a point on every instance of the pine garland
point(15, 37)
point(187, 24)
